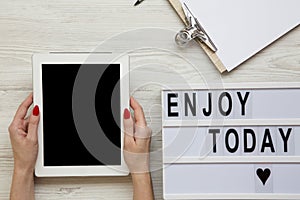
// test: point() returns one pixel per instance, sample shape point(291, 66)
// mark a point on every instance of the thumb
point(128, 127)
point(33, 123)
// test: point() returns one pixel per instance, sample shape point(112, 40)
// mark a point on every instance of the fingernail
point(36, 110)
point(126, 113)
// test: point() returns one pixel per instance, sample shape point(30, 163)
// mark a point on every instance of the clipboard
point(247, 31)
point(176, 4)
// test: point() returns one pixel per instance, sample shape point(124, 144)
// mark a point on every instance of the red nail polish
point(36, 110)
point(126, 113)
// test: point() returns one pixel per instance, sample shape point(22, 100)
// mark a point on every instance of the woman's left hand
point(23, 136)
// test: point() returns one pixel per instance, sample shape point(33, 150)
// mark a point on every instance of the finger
point(33, 123)
point(25, 123)
point(143, 137)
point(22, 132)
point(138, 113)
point(128, 128)
point(142, 132)
point(22, 110)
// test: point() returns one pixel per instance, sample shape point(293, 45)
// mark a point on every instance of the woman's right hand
point(137, 139)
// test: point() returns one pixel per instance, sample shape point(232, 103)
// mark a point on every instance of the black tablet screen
point(62, 144)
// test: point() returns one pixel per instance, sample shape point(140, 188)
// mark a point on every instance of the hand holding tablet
point(137, 139)
point(24, 133)
point(48, 138)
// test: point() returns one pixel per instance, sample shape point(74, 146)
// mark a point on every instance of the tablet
point(81, 99)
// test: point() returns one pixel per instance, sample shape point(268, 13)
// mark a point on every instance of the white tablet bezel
point(57, 171)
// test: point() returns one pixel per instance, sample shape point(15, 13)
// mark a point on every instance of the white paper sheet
point(240, 29)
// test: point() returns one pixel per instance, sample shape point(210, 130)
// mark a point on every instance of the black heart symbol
point(263, 175)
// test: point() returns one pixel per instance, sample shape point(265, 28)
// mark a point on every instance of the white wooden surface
point(36, 26)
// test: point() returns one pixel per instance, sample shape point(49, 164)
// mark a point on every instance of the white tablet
point(81, 99)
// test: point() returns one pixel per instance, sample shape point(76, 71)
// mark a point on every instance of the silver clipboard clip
point(193, 30)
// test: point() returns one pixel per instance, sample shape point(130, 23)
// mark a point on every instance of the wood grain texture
point(35, 26)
